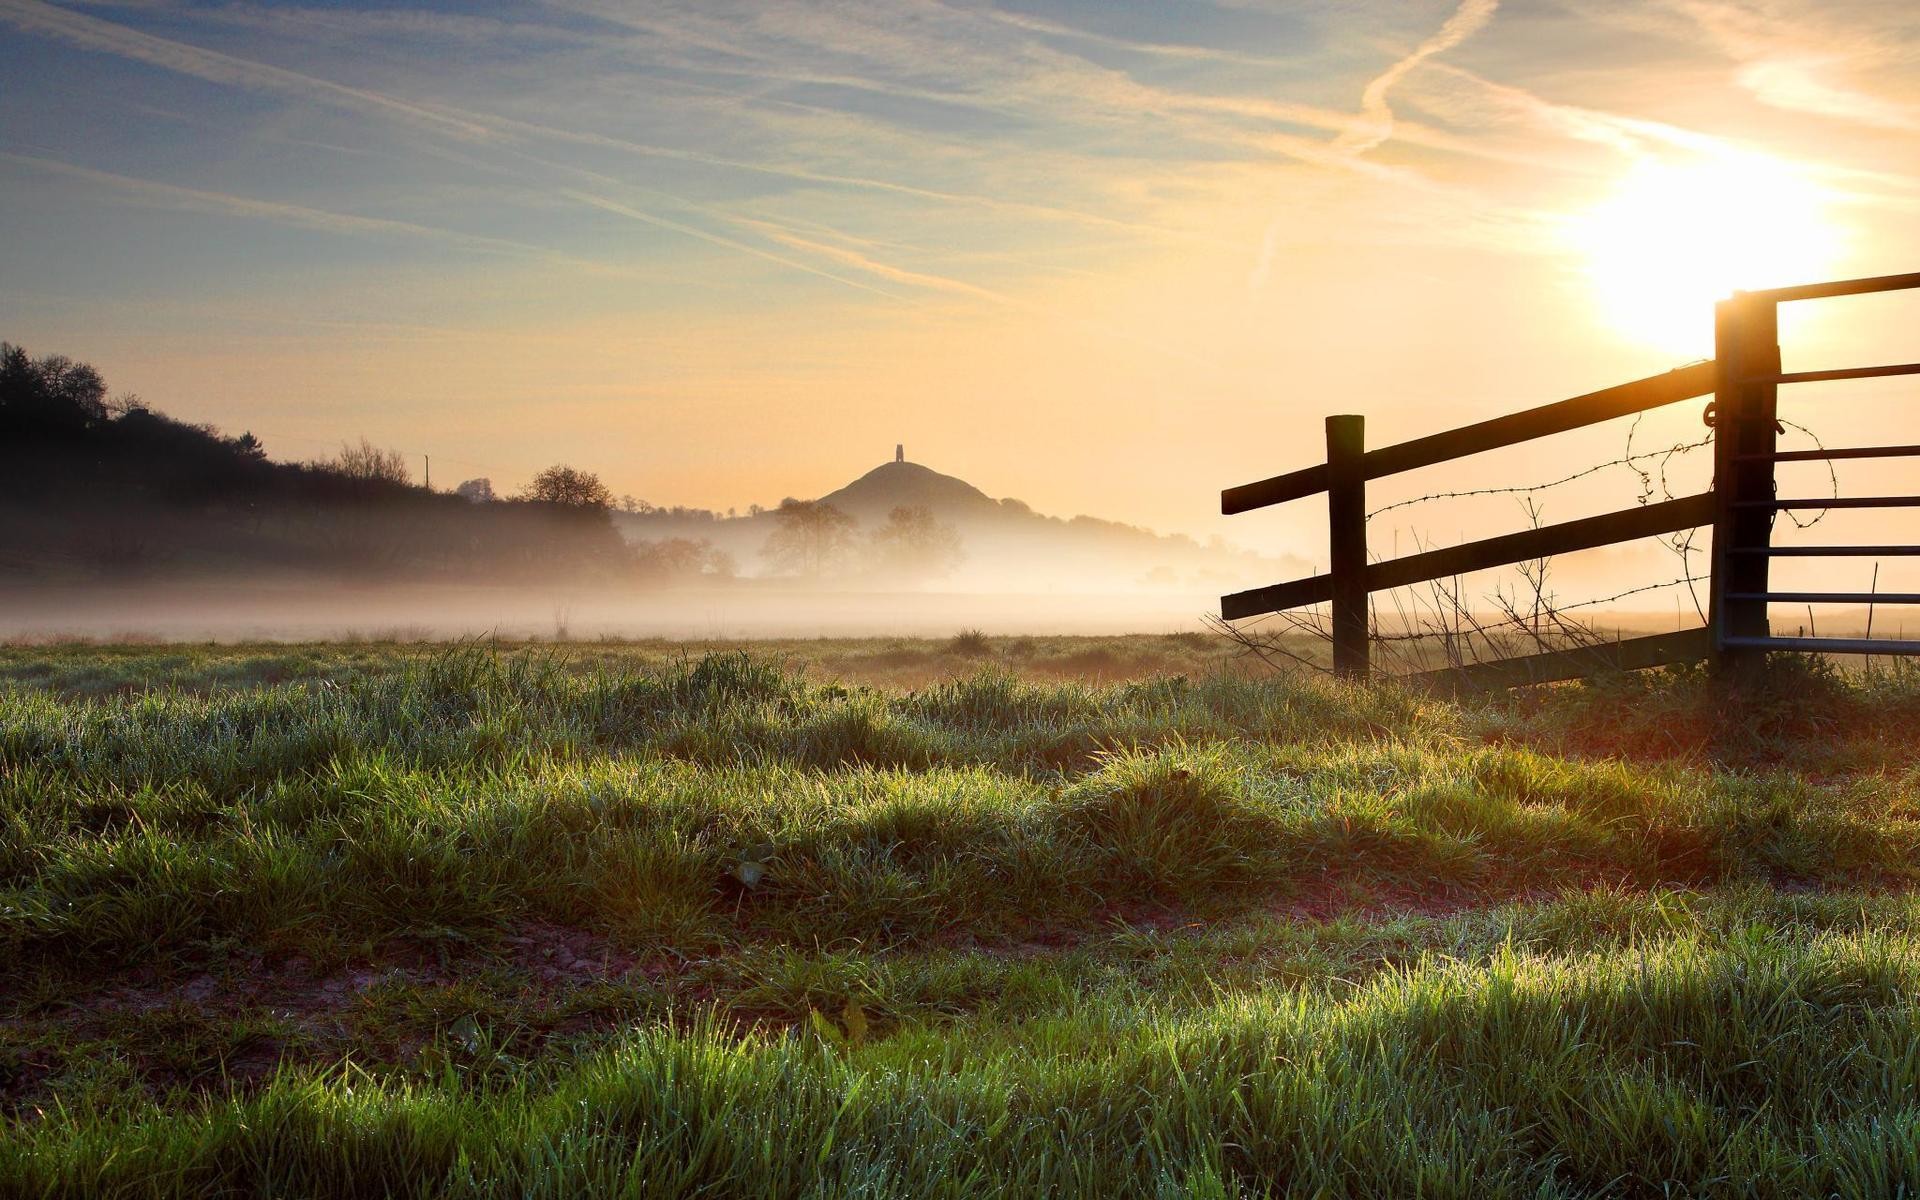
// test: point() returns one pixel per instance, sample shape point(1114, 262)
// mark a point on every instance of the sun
point(1672, 238)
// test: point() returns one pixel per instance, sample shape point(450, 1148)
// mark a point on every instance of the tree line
point(93, 483)
point(814, 539)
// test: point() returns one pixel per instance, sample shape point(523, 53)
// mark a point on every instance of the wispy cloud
point(1852, 63)
point(1799, 63)
point(1060, 29)
point(983, 189)
point(834, 179)
point(1637, 137)
point(230, 70)
point(158, 194)
point(1799, 84)
point(90, 33)
point(1377, 121)
point(1466, 20)
point(628, 211)
point(185, 199)
point(941, 283)
point(873, 266)
point(959, 57)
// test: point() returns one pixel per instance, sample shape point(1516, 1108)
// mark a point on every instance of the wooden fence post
point(1347, 542)
point(1746, 346)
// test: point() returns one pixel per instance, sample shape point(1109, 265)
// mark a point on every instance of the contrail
point(503, 124)
point(1378, 124)
point(154, 193)
point(874, 266)
point(614, 206)
point(943, 283)
point(101, 36)
point(91, 33)
point(199, 200)
point(1376, 118)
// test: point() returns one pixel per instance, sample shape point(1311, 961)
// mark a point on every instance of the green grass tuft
point(881, 919)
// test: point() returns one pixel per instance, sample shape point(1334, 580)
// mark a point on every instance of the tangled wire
point(1440, 615)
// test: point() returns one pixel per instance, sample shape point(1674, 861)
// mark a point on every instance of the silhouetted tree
point(51, 395)
point(368, 463)
point(810, 537)
point(116, 485)
point(479, 491)
point(683, 560)
point(913, 543)
point(561, 484)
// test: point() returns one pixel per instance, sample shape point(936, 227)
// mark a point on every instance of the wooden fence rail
point(1743, 377)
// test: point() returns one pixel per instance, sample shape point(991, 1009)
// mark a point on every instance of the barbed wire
point(1665, 456)
point(1833, 481)
point(1318, 612)
point(1626, 460)
point(1446, 618)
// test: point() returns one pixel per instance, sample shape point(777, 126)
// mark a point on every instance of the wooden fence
point(1743, 378)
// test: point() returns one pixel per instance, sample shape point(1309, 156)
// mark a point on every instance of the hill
point(892, 485)
point(93, 489)
point(1007, 546)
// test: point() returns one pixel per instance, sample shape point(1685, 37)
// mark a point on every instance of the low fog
point(120, 522)
point(117, 521)
point(301, 611)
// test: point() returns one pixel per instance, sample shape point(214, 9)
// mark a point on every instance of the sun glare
point(1671, 239)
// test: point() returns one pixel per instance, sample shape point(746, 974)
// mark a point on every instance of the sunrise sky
point(1105, 256)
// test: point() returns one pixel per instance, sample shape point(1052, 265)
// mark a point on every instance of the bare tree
point(680, 560)
point(913, 543)
point(810, 537)
point(561, 484)
point(368, 463)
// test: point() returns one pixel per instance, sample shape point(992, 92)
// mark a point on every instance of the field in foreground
point(934, 919)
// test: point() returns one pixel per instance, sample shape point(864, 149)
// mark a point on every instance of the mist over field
point(296, 611)
point(958, 599)
point(120, 521)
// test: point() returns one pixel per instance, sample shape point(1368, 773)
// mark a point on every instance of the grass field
point(1036, 917)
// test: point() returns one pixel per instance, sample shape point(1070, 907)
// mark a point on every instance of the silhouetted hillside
point(892, 485)
point(1004, 545)
point(92, 487)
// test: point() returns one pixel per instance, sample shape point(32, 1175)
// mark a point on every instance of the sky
point(1108, 256)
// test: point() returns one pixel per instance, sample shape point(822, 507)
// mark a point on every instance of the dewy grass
point(462, 920)
point(1747, 1069)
